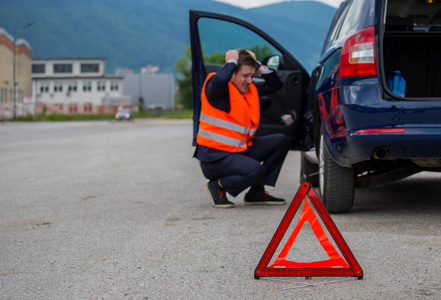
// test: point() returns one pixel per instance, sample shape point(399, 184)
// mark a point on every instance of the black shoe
point(261, 197)
point(218, 195)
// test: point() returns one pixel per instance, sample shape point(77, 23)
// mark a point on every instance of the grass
point(185, 114)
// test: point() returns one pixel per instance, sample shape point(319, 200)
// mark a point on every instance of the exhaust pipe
point(381, 153)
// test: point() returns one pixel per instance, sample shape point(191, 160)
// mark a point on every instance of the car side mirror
point(273, 62)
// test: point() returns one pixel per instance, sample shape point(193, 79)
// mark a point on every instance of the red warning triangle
point(334, 266)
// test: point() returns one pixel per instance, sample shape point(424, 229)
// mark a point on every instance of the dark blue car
point(370, 112)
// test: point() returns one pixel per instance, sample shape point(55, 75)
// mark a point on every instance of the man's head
point(244, 72)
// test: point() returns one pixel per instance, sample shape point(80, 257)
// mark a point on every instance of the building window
point(114, 85)
point(90, 68)
point(101, 86)
point(59, 107)
point(87, 86)
point(62, 68)
point(58, 86)
point(88, 108)
point(73, 108)
point(44, 87)
point(72, 86)
point(38, 68)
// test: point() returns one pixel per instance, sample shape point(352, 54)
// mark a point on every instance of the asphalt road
point(108, 210)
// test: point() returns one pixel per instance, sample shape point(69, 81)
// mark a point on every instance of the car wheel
point(308, 170)
point(336, 183)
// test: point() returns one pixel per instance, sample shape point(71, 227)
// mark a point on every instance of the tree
point(261, 51)
point(183, 69)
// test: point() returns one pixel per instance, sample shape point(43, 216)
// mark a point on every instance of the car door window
point(215, 42)
point(351, 18)
point(335, 29)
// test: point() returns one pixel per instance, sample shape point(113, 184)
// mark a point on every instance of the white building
point(76, 85)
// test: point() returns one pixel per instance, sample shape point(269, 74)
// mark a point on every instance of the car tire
point(336, 183)
point(309, 170)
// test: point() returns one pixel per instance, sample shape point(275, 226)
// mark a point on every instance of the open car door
point(213, 34)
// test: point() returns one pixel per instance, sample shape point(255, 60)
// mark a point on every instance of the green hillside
point(134, 33)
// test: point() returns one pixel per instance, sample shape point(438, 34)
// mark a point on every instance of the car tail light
point(358, 55)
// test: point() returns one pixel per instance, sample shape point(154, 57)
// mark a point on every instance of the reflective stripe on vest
point(222, 138)
point(225, 124)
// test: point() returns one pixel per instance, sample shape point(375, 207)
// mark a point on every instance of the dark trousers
point(260, 164)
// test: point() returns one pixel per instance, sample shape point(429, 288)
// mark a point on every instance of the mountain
point(134, 33)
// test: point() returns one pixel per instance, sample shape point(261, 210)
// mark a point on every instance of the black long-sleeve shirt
point(218, 96)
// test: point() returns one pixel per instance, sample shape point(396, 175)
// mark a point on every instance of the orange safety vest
point(230, 131)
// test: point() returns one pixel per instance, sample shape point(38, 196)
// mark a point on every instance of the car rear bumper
point(414, 143)
point(361, 126)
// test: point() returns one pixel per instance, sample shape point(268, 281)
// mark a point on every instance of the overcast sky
point(257, 3)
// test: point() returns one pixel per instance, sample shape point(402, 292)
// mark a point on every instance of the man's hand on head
point(232, 55)
point(263, 70)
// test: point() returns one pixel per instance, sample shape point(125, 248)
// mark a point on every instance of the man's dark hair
point(245, 59)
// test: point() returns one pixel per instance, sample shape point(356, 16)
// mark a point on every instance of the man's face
point(243, 78)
